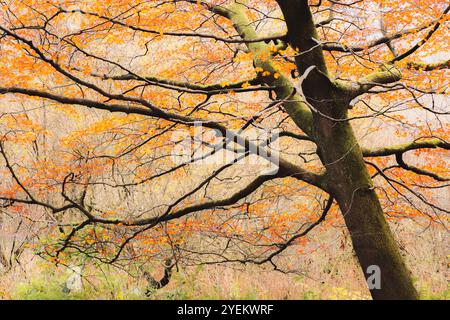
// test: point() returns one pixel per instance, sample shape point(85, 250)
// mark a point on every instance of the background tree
point(312, 72)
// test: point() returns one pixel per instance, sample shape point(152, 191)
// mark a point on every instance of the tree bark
point(348, 178)
point(352, 187)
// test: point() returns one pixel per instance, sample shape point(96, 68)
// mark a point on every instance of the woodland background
point(46, 141)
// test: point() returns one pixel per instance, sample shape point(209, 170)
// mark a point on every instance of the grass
point(185, 285)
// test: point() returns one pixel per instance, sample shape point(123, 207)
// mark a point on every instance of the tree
point(306, 70)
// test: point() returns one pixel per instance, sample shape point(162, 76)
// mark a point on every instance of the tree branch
point(422, 143)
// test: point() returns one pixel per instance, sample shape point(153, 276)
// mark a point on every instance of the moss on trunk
point(352, 187)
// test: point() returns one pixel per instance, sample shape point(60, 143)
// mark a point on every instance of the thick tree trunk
point(347, 176)
point(352, 187)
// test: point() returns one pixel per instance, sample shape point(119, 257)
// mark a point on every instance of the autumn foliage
point(101, 102)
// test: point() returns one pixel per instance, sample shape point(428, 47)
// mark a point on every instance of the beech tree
point(309, 71)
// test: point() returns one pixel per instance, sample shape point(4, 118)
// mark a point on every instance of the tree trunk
point(353, 189)
point(348, 178)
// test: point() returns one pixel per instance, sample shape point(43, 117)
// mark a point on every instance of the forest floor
point(329, 273)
